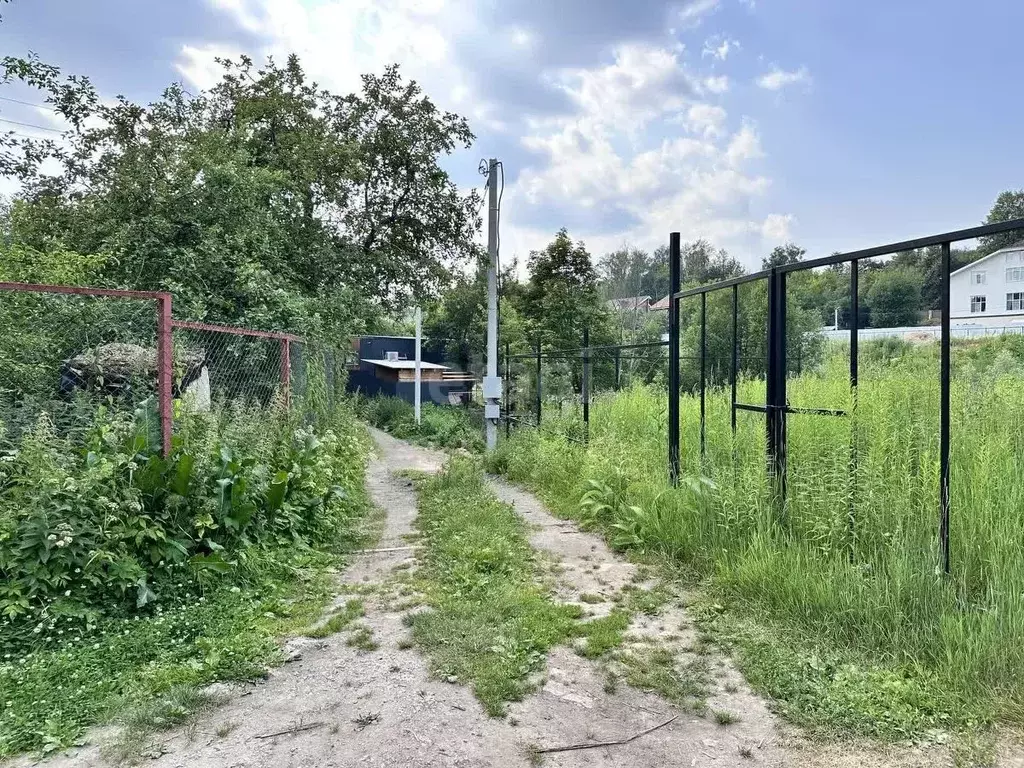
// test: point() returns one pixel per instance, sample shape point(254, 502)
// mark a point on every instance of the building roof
point(659, 304)
point(406, 365)
point(629, 302)
point(1018, 246)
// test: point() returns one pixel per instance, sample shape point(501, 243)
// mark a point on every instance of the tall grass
point(850, 563)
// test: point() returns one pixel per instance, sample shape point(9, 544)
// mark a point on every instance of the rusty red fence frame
point(165, 341)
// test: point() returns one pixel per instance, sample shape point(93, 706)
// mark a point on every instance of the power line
point(30, 125)
point(27, 103)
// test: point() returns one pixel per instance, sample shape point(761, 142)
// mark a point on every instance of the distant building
point(660, 306)
point(386, 365)
point(989, 292)
point(630, 304)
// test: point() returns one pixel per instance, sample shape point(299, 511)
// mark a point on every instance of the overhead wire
point(30, 125)
point(27, 103)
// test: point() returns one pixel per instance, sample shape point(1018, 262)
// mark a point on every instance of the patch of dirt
point(337, 706)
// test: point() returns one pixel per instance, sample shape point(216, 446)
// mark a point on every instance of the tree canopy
point(266, 200)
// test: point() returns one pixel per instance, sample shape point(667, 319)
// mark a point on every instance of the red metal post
point(165, 366)
point(286, 371)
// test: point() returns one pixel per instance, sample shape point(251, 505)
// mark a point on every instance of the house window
point(1014, 302)
point(1015, 259)
point(977, 303)
point(977, 278)
point(1015, 274)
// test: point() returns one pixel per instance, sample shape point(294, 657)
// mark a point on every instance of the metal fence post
point(586, 384)
point(944, 374)
point(703, 372)
point(854, 374)
point(508, 391)
point(673, 357)
point(735, 350)
point(776, 384)
point(540, 397)
point(329, 375)
point(165, 368)
point(286, 372)
point(618, 368)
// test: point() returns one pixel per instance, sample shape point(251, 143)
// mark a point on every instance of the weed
point(724, 717)
point(353, 610)
point(611, 684)
point(225, 729)
point(656, 670)
point(362, 639)
point(491, 624)
point(366, 719)
point(746, 752)
point(406, 643)
point(602, 635)
point(178, 705)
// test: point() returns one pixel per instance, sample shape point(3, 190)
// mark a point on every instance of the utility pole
point(492, 382)
point(418, 396)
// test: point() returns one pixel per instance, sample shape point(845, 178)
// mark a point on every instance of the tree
point(703, 263)
point(1009, 205)
point(623, 271)
point(790, 253)
point(265, 201)
point(562, 296)
point(895, 297)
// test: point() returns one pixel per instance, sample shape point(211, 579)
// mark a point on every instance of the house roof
point(660, 304)
point(1018, 246)
point(629, 302)
point(405, 365)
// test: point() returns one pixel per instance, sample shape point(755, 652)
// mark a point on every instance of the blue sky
point(749, 122)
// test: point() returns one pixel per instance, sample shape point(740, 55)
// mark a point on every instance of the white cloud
point(705, 119)
point(644, 140)
point(719, 47)
point(777, 78)
point(717, 84)
point(776, 227)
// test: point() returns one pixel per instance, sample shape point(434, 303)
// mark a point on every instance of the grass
point(178, 705)
point(439, 427)
point(491, 624)
point(341, 619)
point(842, 617)
point(657, 669)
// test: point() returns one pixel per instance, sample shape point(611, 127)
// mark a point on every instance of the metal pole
point(286, 372)
point(735, 350)
point(417, 395)
point(508, 391)
point(586, 384)
point(776, 384)
point(492, 382)
point(854, 370)
point(165, 366)
point(703, 370)
point(540, 400)
point(618, 368)
point(944, 374)
point(674, 257)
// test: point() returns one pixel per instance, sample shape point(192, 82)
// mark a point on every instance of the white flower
point(67, 593)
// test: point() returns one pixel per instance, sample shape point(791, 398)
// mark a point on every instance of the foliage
point(441, 426)
point(562, 299)
point(865, 635)
point(266, 200)
point(894, 297)
point(126, 574)
point(790, 253)
point(1009, 205)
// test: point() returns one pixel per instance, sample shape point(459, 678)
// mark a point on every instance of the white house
point(990, 292)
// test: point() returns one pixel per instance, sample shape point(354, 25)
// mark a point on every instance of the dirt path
point(380, 708)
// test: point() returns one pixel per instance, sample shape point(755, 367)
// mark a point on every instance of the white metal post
point(492, 382)
point(419, 339)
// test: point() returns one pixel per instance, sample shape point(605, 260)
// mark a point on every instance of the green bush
point(104, 523)
point(440, 426)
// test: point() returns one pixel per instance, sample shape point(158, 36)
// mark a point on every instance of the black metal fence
point(776, 407)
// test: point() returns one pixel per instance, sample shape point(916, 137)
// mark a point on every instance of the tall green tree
point(790, 253)
point(266, 200)
point(895, 297)
point(1009, 205)
point(562, 296)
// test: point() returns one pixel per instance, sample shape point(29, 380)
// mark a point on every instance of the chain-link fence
point(67, 351)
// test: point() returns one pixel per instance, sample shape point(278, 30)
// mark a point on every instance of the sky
point(835, 125)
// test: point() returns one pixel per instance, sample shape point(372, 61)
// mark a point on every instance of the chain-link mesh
point(64, 355)
point(219, 367)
